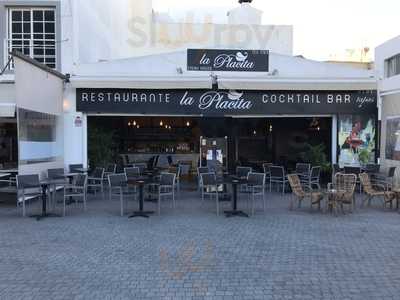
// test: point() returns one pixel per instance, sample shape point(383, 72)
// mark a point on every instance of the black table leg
point(44, 207)
point(234, 212)
point(141, 213)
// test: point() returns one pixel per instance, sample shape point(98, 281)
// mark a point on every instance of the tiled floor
point(193, 254)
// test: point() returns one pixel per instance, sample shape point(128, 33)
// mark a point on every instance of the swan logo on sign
point(228, 60)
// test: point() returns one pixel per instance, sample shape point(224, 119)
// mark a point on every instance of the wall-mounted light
point(134, 123)
point(188, 124)
point(129, 124)
point(270, 128)
point(161, 123)
point(137, 126)
point(66, 105)
point(255, 132)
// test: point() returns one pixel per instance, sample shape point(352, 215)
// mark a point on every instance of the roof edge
point(39, 65)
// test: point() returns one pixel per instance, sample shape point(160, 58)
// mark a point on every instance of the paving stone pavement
point(191, 253)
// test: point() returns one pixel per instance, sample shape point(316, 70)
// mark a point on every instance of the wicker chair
point(300, 194)
point(346, 185)
point(376, 191)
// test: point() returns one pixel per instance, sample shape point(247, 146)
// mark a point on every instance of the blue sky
point(322, 28)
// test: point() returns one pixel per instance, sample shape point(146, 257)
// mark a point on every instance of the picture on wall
point(393, 138)
point(356, 140)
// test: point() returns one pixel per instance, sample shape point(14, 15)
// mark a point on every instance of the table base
point(43, 216)
point(236, 213)
point(141, 214)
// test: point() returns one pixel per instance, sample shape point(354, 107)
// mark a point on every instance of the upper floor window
point(32, 31)
point(392, 66)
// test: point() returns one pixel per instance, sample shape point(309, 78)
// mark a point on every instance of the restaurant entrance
point(249, 141)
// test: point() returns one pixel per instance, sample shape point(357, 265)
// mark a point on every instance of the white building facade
point(108, 48)
point(387, 60)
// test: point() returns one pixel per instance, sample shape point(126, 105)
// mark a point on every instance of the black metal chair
point(201, 170)
point(387, 179)
point(142, 167)
point(59, 180)
point(166, 188)
point(132, 172)
point(210, 187)
point(96, 181)
point(118, 186)
point(110, 170)
point(278, 177)
point(243, 172)
point(78, 189)
point(74, 168)
point(303, 171)
point(28, 188)
point(256, 188)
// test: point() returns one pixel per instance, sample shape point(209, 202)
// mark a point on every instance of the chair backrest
point(142, 167)
point(73, 168)
point(256, 179)
point(243, 171)
point(295, 185)
point(346, 182)
point(392, 172)
point(55, 173)
point(266, 168)
point(372, 168)
point(277, 171)
point(117, 180)
point(202, 170)
point(98, 173)
point(81, 180)
point(366, 183)
point(315, 172)
point(208, 179)
point(352, 170)
point(111, 168)
point(170, 160)
point(167, 179)
point(132, 172)
point(28, 181)
point(303, 168)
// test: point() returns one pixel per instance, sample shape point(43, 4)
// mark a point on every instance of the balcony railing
point(43, 50)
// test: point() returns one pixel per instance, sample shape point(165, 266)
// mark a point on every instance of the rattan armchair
point(302, 193)
point(345, 185)
point(376, 191)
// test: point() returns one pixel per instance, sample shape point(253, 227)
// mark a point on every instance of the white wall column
point(334, 138)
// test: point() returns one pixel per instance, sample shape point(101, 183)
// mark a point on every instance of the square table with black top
point(234, 181)
point(141, 182)
point(44, 184)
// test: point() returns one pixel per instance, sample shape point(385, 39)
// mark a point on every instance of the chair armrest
point(380, 186)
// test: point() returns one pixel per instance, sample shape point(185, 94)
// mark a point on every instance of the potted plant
point(316, 156)
point(364, 156)
point(101, 147)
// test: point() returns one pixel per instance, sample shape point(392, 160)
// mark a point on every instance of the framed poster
point(356, 136)
point(392, 151)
